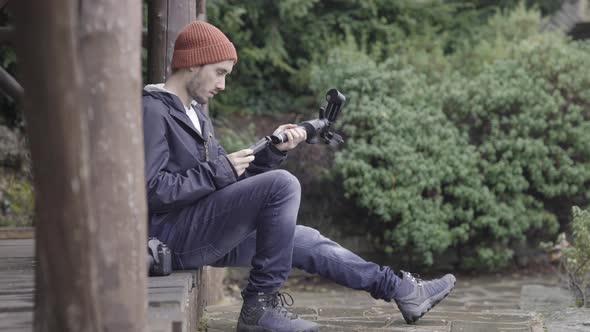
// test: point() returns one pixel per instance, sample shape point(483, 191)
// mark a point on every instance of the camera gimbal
point(316, 129)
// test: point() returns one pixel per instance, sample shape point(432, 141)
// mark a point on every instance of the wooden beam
point(85, 135)
point(10, 86)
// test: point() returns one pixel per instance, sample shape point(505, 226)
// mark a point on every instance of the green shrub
point(404, 160)
point(279, 41)
point(473, 160)
point(576, 258)
point(236, 136)
point(528, 119)
point(17, 202)
point(495, 40)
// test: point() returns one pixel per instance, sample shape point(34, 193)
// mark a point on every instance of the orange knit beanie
point(201, 43)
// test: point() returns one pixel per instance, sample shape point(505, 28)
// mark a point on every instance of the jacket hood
point(156, 88)
point(168, 97)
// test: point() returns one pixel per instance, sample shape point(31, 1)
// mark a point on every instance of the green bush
point(528, 119)
point(237, 136)
point(404, 160)
point(495, 40)
point(10, 114)
point(17, 202)
point(279, 41)
point(576, 259)
point(472, 160)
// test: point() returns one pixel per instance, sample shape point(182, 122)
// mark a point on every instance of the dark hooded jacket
point(181, 164)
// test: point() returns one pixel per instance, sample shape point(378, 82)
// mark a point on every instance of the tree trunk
point(82, 109)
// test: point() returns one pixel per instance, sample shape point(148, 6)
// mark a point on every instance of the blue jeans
point(252, 223)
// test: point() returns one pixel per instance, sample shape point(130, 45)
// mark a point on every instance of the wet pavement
point(511, 302)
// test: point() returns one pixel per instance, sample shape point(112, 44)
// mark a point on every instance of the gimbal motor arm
point(316, 129)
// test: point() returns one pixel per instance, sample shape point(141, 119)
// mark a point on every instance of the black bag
point(159, 258)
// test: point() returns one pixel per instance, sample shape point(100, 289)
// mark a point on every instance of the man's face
point(208, 80)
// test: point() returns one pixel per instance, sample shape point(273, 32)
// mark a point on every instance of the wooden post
point(165, 20)
point(202, 10)
point(110, 50)
point(157, 20)
point(82, 109)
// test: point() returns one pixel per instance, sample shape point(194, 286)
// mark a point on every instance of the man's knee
point(283, 180)
point(308, 237)
point(305, 232)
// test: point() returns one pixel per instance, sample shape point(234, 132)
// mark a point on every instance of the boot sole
point(431, 305)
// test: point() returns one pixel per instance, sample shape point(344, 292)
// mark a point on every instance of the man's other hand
point(240, 160)
point(295, 135)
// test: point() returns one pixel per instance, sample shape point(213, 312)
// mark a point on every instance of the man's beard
point(200, 100)
point(192, 88)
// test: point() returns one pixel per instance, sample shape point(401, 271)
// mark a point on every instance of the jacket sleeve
point(167, 190)
point(265, 160)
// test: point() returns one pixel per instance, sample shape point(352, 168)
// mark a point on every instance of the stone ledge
point(17, 233)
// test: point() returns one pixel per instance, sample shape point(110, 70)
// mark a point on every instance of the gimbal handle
point(317, 128)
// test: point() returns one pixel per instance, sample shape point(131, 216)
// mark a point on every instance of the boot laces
point(432, 286)
point(280, 301)
point(415, 277)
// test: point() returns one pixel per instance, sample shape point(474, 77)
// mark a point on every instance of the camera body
point(159, 258)
point(320, 128)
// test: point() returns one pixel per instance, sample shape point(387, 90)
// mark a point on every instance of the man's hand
point(295, 135)
point(240, 160)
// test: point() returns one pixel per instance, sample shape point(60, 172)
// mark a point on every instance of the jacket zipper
point(206, 143)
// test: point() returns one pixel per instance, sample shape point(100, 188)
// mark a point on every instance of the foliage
point(576, 259)
point(546, 7)
point(493, 41)
point(473, 160)
point(16, 202)
point(10, 115)
point(279, 41)
point(234, 137)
